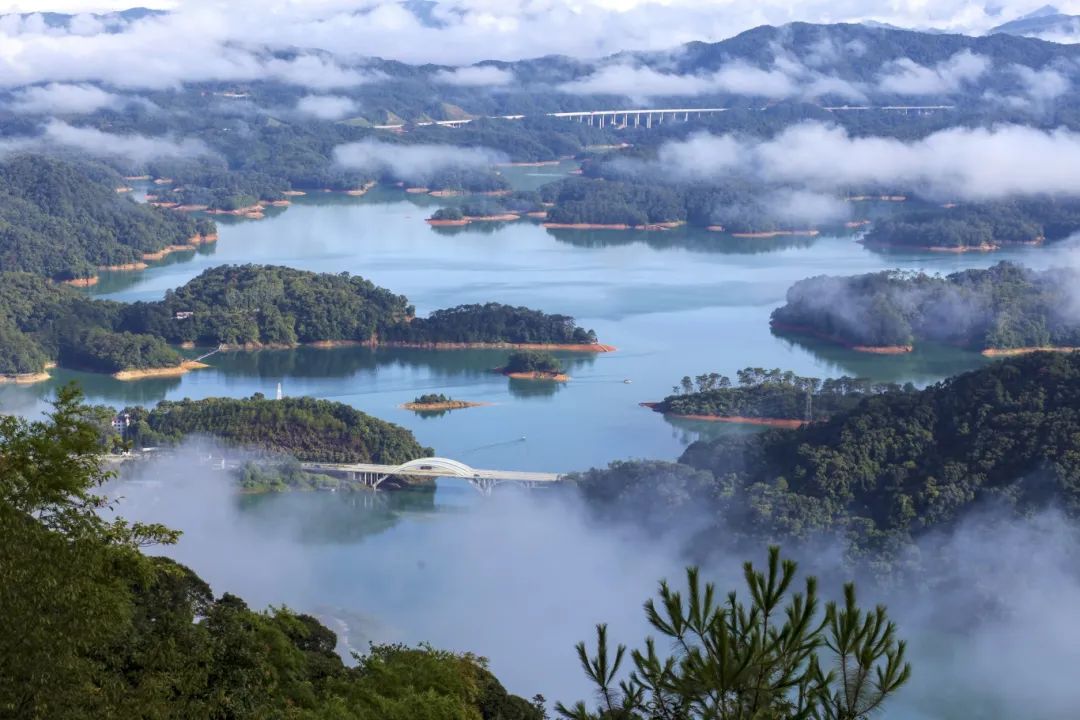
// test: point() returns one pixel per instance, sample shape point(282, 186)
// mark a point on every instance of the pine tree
point(765, 660)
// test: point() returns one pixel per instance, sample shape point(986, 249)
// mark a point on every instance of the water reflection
point(697, 239)
point(928, 363)
point(343, 517)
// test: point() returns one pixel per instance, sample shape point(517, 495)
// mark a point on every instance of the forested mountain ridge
point(64, 220)
point(895, 466)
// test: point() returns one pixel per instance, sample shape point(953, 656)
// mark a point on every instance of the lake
point(674, 303)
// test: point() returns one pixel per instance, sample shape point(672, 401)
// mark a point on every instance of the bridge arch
point(452, 468)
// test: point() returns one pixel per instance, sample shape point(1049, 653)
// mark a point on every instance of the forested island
point(246, 307)
point(768, 397)
point(438, 402)
point(534, 365)
point(1004, 309)
point(66, 221)
point(979, 226)
point(894, 466)
point(619, 200)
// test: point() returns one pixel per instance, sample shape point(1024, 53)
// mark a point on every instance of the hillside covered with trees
point(1004, 307)
point(895, 466)
point(305, 428)
point(64, 220)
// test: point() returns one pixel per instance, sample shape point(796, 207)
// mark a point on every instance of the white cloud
point(959, 162)
point(906, 77)
point(475, 76)
point(412, 163)
point(209, 39)
point(136, 148)
point(786, 78)
point(62, 99)
point(326, 107)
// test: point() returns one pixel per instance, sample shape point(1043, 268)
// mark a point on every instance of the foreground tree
point(779, 657)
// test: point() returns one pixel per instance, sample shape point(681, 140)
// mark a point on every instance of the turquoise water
point(674, 303)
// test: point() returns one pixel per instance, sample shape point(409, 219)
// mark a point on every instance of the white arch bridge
point(373, 475)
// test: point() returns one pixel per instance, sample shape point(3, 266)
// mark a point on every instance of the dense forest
point(1006, 306)
point(65, 220)
point(491, 323)
point(305, 428)
point(896, 465)
point(979, 225)
point(769, 394)
point(92, 627)
point(611, 195)
point(242, 306)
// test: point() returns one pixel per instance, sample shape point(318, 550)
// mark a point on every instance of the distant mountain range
point(1047, 20)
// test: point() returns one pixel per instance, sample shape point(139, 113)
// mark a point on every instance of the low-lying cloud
point(136, 148)
point(970, 163)
point(412, 163)
point(475, 76)
point(907, 77)
point(326, 107)
point(784, 79)
point(63, 99)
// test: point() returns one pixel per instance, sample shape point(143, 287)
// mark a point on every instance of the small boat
point(627, 381)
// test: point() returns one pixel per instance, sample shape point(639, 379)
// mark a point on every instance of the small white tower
point(279, 391)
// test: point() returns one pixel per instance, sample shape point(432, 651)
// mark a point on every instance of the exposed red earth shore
point(872, 349)
point(785, 423)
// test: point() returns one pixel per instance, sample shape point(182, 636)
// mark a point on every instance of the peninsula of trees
point(1006, 308)
point(249, 306)
point(896, 465)
point(304, 428)
point(768, 397)
point(66, 221)
point(979, 226)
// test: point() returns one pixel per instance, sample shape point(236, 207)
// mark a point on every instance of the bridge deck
point(514, 475)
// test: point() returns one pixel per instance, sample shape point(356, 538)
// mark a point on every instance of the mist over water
point(520, 577)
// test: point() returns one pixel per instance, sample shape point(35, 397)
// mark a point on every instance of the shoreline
point(871, 349)
point(777, 233)
point(505, 217)
point(193, 243)
point(985, 247)
point(785, 423)
point(614, 226)
point(24, 378)
point(1013, 352)
point(448, 405)
point(329, 344)
point(360, 191)
point(534, 375)
point(175, 371)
